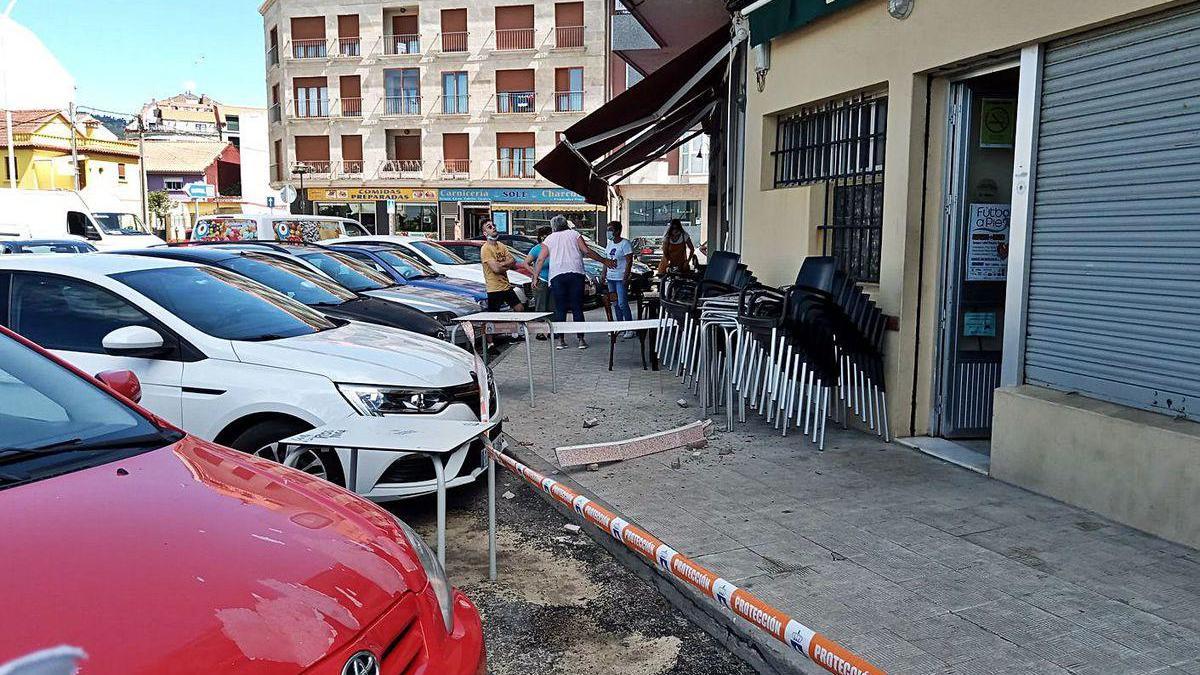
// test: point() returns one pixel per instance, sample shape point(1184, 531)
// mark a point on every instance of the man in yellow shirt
point(497, 261)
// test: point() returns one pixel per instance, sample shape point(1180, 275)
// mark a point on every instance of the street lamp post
point(302, 170)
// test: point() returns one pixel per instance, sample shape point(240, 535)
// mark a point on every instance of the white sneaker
point(628, 335)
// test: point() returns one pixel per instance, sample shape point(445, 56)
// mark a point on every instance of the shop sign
point(511, 195)
point(987, 242)
point(979, 324)
point(373, 194)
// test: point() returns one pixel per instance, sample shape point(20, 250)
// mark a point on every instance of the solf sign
point(783, 16)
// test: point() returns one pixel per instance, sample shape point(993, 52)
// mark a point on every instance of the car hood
point(194, 558)
point(443, 281)
point(474, 272)
point(427, 299)
point(362, 353)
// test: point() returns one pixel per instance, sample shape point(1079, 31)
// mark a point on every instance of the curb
point(752, 646)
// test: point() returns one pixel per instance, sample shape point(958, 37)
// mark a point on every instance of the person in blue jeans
point(620, 251)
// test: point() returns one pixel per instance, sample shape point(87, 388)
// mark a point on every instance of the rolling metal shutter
point(1114, 288)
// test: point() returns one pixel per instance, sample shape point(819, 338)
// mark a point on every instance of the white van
point(267, 227)
point(55, 214)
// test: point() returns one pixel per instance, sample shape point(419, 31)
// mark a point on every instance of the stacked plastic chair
point(799, 355)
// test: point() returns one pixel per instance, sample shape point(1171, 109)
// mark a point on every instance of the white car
point(232, 361)
point(438, 257)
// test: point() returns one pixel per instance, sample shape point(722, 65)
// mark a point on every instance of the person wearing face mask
point(621, 253)
point(542, 300)
point(497, 260)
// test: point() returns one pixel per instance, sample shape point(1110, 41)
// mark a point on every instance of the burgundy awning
point(643, 123)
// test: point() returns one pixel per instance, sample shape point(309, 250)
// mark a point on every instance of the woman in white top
point(565, 249)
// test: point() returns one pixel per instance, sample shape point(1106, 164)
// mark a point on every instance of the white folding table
point(433, 438)
point(505, 322)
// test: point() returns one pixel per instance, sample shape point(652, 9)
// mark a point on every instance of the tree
point(159, 205)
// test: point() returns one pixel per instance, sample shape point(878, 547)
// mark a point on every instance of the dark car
point(407, 271)
point(46, 246)
point(648, 250)
point(304, 285)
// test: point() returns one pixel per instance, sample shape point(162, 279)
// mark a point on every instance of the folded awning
point(643, 123)
point(784, 16)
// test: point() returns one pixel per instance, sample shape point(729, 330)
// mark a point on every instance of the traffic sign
point(270, 202)
point(200, 190)
point(288, 194)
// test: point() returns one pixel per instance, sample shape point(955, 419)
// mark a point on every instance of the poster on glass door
point(987, 242)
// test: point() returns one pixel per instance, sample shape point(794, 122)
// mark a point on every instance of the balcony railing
point(274, 114)
point(512, 102)
point(515, 168)
point(310, 49)
point(349, 46)
point(313, 167)
point(273, 56)
point(402, 105)
point(455, 42)
point(350, 167)
point(568, 37)
point(349, 107)
point(311, 108)
point(568, 101)
point(454, 169)
point(402, 168)
point(394, 45)
point(512, 39)
point(456, 105)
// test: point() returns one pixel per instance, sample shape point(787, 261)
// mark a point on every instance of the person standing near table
point(542, 301)
point(497, 260)
point(564, 251)
point(621, 253)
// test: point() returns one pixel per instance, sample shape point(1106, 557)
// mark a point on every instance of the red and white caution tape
point(819, 649)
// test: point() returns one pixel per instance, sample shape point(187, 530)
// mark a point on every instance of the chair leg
point(824, 416)
point(887, 432)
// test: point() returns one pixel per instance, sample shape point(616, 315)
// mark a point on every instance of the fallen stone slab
point(616, 451)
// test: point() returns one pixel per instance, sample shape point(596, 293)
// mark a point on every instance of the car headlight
point(434, 572)
point(377, 401)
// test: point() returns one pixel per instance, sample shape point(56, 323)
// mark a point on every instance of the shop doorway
point(981, 141)
point(473, 216)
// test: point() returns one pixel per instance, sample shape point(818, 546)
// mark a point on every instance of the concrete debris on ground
point(590, 422)
point(572, 528)
point(508, 495)
point(683, 403)
point(690, 436)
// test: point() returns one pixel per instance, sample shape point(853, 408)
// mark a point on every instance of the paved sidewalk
point(918, 565)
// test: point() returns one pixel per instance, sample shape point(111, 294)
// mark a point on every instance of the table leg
point(484, 346)
point(439, 470)
point(551, 341)
point(491, 515)
point(529, 360)
point(352, 475)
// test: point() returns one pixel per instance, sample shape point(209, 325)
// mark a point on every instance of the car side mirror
point(124, 382)
point(133, 341)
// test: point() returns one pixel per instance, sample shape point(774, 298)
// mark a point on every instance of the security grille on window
point(840, 144)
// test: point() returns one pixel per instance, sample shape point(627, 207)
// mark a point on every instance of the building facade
point(172, 164)
point(109, 170)
point(1014, 183)
point(428, 117)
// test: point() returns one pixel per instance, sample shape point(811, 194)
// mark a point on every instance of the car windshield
point(439, 254)
point(294, 281)
point(409, 268)
point(43, 404)
point(469, 253)
point(225, 305)
point(48, 247)
point(521, 245)
point(347, 271)
point(120, 223)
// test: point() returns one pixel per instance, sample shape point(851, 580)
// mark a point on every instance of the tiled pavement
point(920, 566)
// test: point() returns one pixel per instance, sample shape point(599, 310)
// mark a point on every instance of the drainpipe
point(74, 146)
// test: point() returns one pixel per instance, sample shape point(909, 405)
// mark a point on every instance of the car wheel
point(262, 440)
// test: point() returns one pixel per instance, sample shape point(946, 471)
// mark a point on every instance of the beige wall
point(863, 49)
point(480, 62)
point(1136, 467)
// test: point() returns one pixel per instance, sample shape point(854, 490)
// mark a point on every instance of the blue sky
point(124, 52)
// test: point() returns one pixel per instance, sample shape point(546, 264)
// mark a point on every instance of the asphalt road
point(561, 604)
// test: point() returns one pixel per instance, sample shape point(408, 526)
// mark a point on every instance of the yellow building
point(109, 169)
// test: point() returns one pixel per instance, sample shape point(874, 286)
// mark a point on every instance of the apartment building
point(428, 117)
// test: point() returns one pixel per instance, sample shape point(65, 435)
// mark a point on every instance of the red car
point(131, 547)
